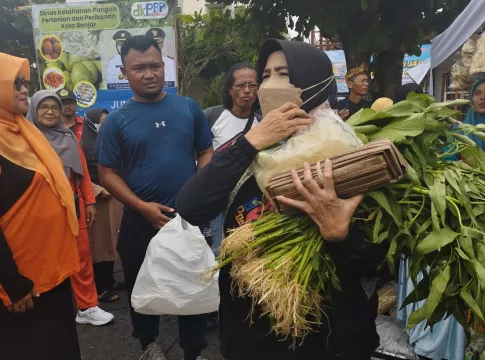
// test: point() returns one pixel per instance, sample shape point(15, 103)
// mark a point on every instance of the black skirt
point(46, 332)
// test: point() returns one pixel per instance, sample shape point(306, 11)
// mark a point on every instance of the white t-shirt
point(227, 126)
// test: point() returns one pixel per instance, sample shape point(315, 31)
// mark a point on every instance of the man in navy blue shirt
point(158, 140)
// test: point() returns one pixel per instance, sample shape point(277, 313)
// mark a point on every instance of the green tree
point(386, 29)
point(16, 36)
point(209, 44)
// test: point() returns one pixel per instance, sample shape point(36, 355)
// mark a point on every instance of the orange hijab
point(24, 145)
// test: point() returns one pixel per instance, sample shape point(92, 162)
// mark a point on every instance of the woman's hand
point(25, 304)
point(104, 194)
point(278, 125)
point(91, 215)
point(331, 214)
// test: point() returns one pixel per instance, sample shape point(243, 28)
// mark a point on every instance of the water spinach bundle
point(435, 217)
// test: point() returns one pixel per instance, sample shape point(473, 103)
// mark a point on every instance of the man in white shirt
point(226, 121)
point(236, 114)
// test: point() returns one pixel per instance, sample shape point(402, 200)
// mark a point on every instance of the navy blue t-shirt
point(155, 144)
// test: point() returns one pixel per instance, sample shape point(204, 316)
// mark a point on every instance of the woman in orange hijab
point(38, 228)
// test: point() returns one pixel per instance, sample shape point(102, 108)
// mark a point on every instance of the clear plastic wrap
point(387, 297)
point(327, 136)
point(394, 341)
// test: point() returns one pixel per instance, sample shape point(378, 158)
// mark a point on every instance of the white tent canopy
point(445, 44)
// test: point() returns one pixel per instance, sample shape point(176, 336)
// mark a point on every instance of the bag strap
point(250, 123)
point(248, 126)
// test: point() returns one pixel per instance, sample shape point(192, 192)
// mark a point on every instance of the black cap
point(156, 33)
point(65, 94)
point(121, 35)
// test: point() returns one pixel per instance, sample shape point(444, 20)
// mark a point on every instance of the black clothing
point(309, 66)
point(404, 90)
point(89, 141)
point(49, 328)
point(103, 275)
point(351, 106)
point(352, 314)
point(135, 235)
point(14, 181)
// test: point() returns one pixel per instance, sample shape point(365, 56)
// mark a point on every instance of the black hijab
point(89, 141)
point(406, 89)
point(307, 66)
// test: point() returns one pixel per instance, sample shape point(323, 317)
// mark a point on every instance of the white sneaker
point(153, 352)
point(94, 316)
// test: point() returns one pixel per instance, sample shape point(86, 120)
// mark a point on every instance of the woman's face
point(478, 98)
point(104, 114)
point(276, 67)
point(20, 95)
point(49, 112)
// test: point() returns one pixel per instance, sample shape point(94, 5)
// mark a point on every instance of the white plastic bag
point(170, 281)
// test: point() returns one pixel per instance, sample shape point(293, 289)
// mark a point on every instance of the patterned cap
point(121, 35)
point(353, 73)
point(156, 33)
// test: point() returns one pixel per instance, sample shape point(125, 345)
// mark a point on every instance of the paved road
point(114, 341)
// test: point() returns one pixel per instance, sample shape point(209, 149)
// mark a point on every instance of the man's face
point(145, 72)
point(68, 107)
point(244, 89)
point(359, 85)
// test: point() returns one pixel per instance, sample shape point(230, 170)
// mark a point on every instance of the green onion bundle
point(436, 217)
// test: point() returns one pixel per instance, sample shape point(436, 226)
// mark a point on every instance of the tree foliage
point(383, 28)
point(209, 44)
point(16, 36)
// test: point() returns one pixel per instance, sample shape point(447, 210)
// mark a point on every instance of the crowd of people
point(78, 191)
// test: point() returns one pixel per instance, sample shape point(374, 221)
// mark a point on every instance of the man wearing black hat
point(169, 62)
point(114, 64)
point(69, 118)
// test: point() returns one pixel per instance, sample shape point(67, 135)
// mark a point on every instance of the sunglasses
point(18, 83)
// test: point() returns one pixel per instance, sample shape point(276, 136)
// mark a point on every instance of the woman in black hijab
point(104, 233)
point(404, 90)
point(222, 184)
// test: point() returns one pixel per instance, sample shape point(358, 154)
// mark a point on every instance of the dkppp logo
point(149, 10)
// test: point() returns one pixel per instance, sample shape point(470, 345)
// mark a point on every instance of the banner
point(340, 66)
point(78, 46)
point(337, 57)
point(413, 61)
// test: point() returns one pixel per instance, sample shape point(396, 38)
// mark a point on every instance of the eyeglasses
point(46, 108)
point(365, 81)
point(18, 83)
point(242, 86)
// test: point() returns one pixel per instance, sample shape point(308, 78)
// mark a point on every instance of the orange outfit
point(41, 226)
point(83, 284)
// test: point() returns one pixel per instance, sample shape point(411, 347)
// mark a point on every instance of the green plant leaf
point(398, 130)
point(475, 157)
point(366, 129)
point(417, 317)
point(436, 240)
point(419, 293)
point(389, 203)
point(465, 295)
point(366, 115)
point(438, 287)
point(437, 192)
point(412, 176)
